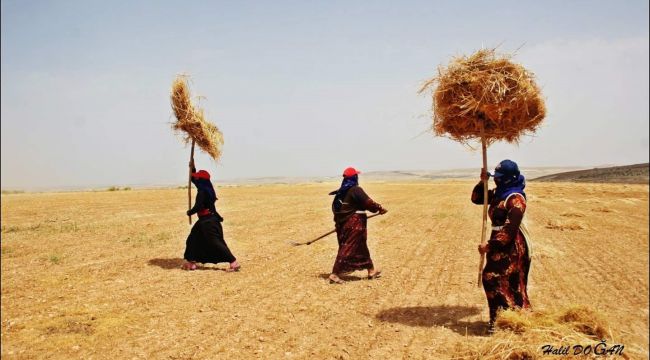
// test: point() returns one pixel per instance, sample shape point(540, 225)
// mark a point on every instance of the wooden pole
point(324, 235)
point(189, 182)
point(485, 206)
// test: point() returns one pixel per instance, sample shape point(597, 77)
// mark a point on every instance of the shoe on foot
point(374, 274)
point(234, 266)
point(490, 329)
point(188, 266)
point(334, 279)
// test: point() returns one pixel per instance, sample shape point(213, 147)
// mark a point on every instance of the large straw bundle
point(487, 94)
point(486, 97)
point(191, 120)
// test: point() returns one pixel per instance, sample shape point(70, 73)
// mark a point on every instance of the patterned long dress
point(351, 232)
point(505, 276)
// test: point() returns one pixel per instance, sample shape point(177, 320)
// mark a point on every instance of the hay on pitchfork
point(191, 120)
point(485, 91)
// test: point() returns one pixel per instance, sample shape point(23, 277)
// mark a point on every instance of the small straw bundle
point(191, 120)
point(582, 319)
point(485, 92)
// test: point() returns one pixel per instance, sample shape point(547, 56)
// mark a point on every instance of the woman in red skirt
point(349, 208)
point(505, 276)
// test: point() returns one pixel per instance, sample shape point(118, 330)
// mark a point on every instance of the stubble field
point(96, 275)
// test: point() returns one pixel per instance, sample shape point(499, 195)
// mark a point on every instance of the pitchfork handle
point(189, 182)
point(485, 209)
point(333, 231)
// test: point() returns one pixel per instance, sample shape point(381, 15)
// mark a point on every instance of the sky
point(302, 88)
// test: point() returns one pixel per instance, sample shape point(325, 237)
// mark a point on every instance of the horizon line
point(264, 180)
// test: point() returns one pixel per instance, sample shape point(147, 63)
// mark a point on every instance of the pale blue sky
point(302, 88)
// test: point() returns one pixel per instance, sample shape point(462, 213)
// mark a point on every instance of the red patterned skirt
point(353, 248)
point(505, 276)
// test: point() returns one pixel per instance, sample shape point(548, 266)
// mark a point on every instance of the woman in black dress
point(205, 244)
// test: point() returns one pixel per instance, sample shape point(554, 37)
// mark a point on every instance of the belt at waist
point(497, 228)
point(204, 212)
point(359, 212)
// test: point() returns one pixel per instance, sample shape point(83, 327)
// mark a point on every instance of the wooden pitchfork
point(322, 236)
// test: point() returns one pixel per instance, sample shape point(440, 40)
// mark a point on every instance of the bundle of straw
point(522, 334)
point(485, 95)
point(191, 120)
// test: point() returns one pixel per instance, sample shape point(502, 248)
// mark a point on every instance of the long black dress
point(206, 244)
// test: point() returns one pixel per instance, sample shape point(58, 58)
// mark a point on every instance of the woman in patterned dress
point(505, 276)
point(349, 208)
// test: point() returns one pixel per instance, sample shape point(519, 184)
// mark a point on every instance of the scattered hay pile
point(191, 120)
point(570, 214)
point(485, 94)
point(565, 225)
point(522, 334)
point(579, 319)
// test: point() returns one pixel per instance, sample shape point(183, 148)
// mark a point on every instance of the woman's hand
point(382, 211)
point(483, 248)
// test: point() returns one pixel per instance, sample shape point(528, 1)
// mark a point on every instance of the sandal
point(189, 266)
point(335, 280)
point(490, 328)
point(233, 268)
point(374, 275)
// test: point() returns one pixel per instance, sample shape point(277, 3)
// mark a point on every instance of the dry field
point(96, 275)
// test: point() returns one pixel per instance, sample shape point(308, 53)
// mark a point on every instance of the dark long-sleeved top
point(355, 200)
point(203, 203)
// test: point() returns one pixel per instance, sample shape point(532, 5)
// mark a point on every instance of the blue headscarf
point(508, 180)
point(507, 185)
point(206, 186)
point(346, 184)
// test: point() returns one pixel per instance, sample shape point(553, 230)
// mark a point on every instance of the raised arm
point(477, 193)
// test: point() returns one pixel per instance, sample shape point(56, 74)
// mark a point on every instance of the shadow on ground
point(175, 263)
point(170, 263)
point(429, 316)
point(344, 277)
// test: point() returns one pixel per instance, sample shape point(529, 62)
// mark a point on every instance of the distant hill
point(472, 173)
point(631, 174)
